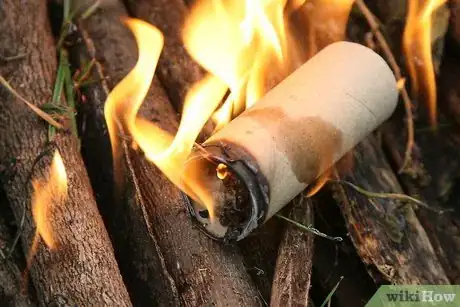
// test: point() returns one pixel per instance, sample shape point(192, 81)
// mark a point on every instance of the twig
point(309, 228)
point(372, 20)
point(34, 108)
point(402, 197)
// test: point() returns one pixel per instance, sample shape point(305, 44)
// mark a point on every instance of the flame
point(417, 48)
point(237, 41)
point(48, 194)
point(246, 47)
point(324, 21)
point(168, 153)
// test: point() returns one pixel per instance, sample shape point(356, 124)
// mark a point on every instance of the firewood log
point(291, 284)
point(385, 231)
point(176, 262)
point(82, 270)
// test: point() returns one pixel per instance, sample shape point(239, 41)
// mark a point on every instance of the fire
point(325, 22)
point(238, 41)
point(168, 153)
point(47, 195)
point(246, 47)
point(417, 48)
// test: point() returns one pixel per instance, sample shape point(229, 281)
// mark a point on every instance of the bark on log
point(176, 70)
point(386, 232)
point(107, 40)
point(195, 270)
point(433, 179)
point(433, 173)
point(291, 284)
point(10, 268)
point(83, 270)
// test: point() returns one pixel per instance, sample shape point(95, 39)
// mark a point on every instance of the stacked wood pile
point(139, 246)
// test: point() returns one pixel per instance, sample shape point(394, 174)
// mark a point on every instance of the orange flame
point(245, 46)
point(324, 21)
point(168, 153)
point(48, 194)
point(417, 48)
point(238, 41)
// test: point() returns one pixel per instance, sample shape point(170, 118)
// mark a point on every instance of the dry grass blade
point(309, 228)
point(12, 58)
point(374, 25)
point(34, 108)
point(90, 10)
point(397, 196)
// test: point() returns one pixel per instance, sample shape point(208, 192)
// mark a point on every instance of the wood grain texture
point(386, 232)
point(83, 269)
point(292, 281)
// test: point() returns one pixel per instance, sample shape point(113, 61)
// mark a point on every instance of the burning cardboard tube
point(270, 153)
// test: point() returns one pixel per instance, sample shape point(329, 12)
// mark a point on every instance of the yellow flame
point(237, 41)
point(168, 153)
point(48, 194)
point(417, 48)
point(244, 45)
point(324, 21)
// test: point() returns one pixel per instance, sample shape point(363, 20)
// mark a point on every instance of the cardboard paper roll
point(296, 132)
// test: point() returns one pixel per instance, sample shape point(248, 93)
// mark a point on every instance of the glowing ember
point(222, 171)
point(48, 194)
point(417, 48)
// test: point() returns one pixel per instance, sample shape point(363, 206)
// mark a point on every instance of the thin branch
point(34, 108)
point(309, 228)
point(373, 22)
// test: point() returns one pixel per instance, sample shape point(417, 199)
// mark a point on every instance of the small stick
point(372, 20)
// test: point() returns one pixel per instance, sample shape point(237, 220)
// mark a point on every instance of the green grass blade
point(70, 95)
point(59, 82)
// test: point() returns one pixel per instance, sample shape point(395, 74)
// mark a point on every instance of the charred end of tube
point(239, 193)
